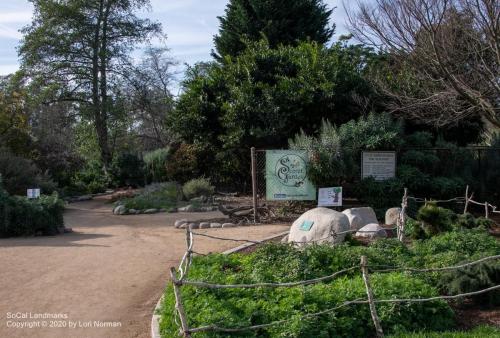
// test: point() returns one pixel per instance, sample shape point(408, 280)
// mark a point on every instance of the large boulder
point(317, 225)
point(392, 215)
point(359, 217)
point(372, 230)
point(120, 210)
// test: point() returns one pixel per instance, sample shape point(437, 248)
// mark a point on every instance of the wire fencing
point(179, 279)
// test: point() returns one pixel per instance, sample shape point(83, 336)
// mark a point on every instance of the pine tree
point(279, 21)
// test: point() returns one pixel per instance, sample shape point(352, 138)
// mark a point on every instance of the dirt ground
point(110, 272)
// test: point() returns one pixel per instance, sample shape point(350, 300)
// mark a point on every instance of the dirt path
point(111, 269)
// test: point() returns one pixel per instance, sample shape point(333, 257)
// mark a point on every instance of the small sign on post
point(33, 193)
point(330, 197)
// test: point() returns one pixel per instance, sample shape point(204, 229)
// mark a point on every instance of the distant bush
point(127, 170)
point(183, 164)
point(156, 164)
point(24, 217)
point(19, 174)
point(198, 187)
point(477, 332)
point(154, 196)
point(91, 179)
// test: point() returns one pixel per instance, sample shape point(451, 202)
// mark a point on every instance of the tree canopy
point(78, 49)
point(280, 21)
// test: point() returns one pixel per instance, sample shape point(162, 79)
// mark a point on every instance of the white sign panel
point(330, 197)
point(381, 165)
point(33, 193)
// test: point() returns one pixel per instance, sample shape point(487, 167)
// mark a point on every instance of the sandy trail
point(111, 269)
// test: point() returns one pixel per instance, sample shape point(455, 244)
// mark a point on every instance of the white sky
point(189, 24)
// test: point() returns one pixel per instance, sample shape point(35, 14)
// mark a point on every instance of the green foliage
point(476, 277)
point(279, 22)
point(19, 173)
point(380, 194)
point(435, 219)
point(278, 263)
point(24, 217)
point(263, 97)
point(90, 179)
point(127, 170)
point(336, 150)
point(183, 164)
point(198, 187)
point(156, 164)
point(154, 196)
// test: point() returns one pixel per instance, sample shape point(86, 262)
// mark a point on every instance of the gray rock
point(228, 225)
point(215, 225)
point(163, 210)
point(180, 222)
point(392, 215)
point(150, 211)
point(120, 210)
point(172, 210)
point(132, 211)
point(359, 217)
point(324, 222)
point(188, 208)
point(204, 225)
point(372, 230)
point(194, 226)
point(183, 225)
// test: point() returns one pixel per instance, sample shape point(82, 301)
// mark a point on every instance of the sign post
point(286, 176)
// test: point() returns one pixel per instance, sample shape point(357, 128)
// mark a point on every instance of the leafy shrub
point(156, 164)
point(183, 164)
point(198, 187)
point(380, 194)
point(154, 196)
point(419, 139)
point(435, 219)
point(24, 217)
point(444, 187)
point(127, 170)
point(473, 278)
point(336, 150)
point(91, 178)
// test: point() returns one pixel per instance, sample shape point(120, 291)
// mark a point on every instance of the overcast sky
point(189, 24)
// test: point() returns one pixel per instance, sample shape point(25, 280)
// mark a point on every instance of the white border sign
point(330, 197)
point(381, 165)
point(33, 193)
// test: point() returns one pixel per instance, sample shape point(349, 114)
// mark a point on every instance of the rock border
point(155, 319)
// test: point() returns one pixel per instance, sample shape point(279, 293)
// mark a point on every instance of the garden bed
point(277, 263)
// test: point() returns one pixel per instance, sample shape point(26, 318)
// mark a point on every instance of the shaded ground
point(111, 269)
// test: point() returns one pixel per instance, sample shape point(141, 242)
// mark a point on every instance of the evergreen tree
point(279, 21)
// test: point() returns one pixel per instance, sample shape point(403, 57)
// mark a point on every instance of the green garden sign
point(286, 176)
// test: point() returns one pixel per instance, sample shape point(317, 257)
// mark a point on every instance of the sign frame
point(378, 179)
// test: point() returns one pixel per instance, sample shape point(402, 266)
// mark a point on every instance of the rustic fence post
point(254, 184)
point(178, 304)
point(466, 199)
point(400, 226)
point(369, 293)
point(486, 210)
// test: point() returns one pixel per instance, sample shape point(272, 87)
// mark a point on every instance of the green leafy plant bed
point(231, 308)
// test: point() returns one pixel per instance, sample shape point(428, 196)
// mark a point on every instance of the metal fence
point(478, 167)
